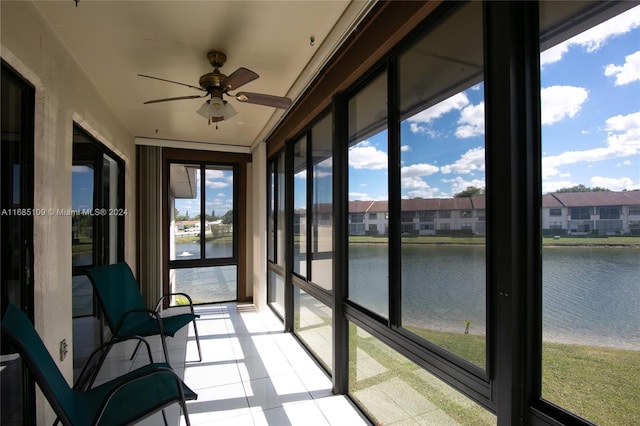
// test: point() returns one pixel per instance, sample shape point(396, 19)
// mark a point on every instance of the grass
point(83, 245)
point(401, 388)
point(196, 239)
point(598, 383)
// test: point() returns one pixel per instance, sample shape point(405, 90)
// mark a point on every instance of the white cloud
point(216, 184)
point(411, 177)
point(470, 161)
point(596, 37)
point(326, 163)
point(214, 174)
point(423, 193)
point(413, 183)
point(367, 157)
point(551, 186)
point(418, 121)
point(626, 73)
point(456, 102)
point(624, 133)
point(458, 184)
point(81, 169)
point(623, 140)
point(405, 148)
point(614, 184)
point(471, 121)
point(553, 54)
point(559, 102)
point(416, 170)
point(358, 196)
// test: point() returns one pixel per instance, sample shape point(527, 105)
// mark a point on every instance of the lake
point(590, 295)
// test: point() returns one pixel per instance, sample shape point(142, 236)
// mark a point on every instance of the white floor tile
point(252, 373)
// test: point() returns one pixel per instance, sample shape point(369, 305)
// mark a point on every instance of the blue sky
point(590, 98)
point(218, 194)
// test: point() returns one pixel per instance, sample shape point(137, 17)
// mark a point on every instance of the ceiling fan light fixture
point(216, 108)
point(229, 111)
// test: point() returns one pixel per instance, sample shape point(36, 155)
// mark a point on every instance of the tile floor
point(251, 373)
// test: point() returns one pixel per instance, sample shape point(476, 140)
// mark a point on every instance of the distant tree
point(582, 188)
point(471, 191)
point(227, 219)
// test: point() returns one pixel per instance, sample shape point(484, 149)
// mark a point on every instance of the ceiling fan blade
point(176, 98)
point(262, 99)
point(171, 81)
point(238, 78)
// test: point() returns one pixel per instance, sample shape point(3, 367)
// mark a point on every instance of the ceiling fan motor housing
point(212, 81)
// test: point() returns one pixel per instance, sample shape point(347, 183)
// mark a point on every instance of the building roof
point(583, 199)
point(563, 199)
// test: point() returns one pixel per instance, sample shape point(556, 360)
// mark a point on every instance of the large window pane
point(591, 261)
point(368, 198)
point(442, 171)
point(271, 208)
point(393, 390)
point(280, 210)
point(322, 203)
point(204, 285)
point(276, 292)
point(218, 212)
point(184, 195)
point(313, 324)
point(300, 207)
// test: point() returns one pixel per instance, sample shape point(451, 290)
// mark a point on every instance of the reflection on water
point(590, 295)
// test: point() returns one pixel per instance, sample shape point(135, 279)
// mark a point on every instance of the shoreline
point(572, 244)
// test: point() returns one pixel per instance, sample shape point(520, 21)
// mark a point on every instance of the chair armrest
point(103, 350)
point(175, 294)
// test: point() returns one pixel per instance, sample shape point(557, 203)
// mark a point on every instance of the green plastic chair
point(126, 399)
point(125, 310)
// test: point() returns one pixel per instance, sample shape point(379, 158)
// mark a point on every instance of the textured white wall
point(258, 209)
point(64, 95)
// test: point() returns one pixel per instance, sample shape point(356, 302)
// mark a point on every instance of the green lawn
point(600, 384)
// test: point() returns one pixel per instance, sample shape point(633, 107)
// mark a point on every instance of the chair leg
point(195, 330)
point(184, 413)
point(135, 350)
point(164, 349)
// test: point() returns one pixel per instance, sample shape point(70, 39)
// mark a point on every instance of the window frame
point(510, 387)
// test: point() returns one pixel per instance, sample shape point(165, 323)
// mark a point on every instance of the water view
point(591, 295)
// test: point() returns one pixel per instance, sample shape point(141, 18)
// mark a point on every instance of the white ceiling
point(114, 41)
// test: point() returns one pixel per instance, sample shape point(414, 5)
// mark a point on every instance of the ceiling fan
point(216, 84)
